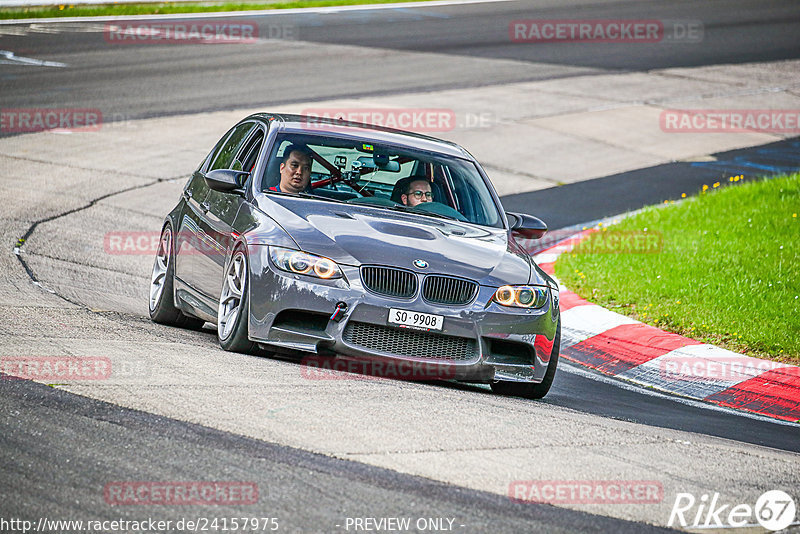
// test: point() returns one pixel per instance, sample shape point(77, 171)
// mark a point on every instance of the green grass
point(163, 8)
point(728, 271)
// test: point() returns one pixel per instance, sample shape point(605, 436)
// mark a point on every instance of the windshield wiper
point(405, 209)
point(449, 218)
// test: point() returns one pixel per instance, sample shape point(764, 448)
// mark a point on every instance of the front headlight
point(299, 262)
point(521, 296)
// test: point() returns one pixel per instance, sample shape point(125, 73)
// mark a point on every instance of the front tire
point(533, 391)
point(162, 303)
point(232, 320)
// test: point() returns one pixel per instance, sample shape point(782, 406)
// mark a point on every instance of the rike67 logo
point(774, 510)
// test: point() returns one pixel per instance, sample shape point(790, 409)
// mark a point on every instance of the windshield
point(357, 172)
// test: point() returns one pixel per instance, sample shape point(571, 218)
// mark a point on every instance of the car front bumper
point(479, 342)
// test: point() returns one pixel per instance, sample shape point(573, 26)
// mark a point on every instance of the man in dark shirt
point(295, 170)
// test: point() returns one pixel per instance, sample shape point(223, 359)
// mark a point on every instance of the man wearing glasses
point(418, 191)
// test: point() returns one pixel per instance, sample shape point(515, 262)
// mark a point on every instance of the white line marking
point(585, 321)
point(13, 59)
point(298, 11)
point(698, 371)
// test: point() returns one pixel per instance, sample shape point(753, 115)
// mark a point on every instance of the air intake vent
point(389, 282)
point(404, 342)
point(448, 290)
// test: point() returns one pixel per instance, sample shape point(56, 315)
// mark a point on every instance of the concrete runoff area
point(561, 131)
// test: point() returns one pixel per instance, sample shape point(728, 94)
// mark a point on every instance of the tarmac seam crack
point(605, 142)
point(709, 96)
point(490, 449)
point(520, 173)
point(691, 78)
point(718, 82)
point(79, 168)
point(661, 101)
point(18, 248)
point(681, 476)
point(556, 92)
point(133, 211)
point(75, 262)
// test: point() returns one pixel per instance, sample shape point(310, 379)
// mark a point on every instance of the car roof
point(377, 134)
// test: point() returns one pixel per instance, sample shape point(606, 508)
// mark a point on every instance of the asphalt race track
point(470, 43)
point(324, 452)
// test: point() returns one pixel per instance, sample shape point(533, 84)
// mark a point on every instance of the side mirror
point(226, 180)
point(526, 226)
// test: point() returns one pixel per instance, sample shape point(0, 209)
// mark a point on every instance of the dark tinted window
point(226, 157)
point(249, 155)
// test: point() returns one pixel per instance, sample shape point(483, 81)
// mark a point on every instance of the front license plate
point(412, 319)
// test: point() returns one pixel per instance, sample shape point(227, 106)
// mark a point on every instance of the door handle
point(205, 206)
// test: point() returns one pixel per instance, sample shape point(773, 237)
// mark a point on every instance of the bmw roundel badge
point(420, 264)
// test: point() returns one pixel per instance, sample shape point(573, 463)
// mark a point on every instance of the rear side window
point(249, 155)
point(226, 157)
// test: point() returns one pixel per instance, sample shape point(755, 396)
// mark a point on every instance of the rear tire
point(533, 391)
point(162, 303)
point(232, 314)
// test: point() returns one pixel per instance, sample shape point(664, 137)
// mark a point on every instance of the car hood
point(359, 235)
